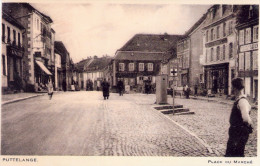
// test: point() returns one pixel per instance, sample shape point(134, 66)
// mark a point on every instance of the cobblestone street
point(82, 123)
point(211, 123)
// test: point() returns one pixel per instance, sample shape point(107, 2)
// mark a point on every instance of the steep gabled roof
point(151, 43)
point(98, 64)
point(80, 66)
point(13, 6)
point(196, 25)
point(142, 56)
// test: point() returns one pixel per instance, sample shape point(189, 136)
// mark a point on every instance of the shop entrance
point(216, 79)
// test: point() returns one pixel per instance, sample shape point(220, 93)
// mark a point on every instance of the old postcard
point(129, 83)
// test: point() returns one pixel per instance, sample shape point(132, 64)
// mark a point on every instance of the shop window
point(255, 33)
point(3, 65)
point(247, 61)
point(121, 67)
point(131, 66)
point(218, 52)
point(231, 50)
point(241, 61)
point(150, 66)
point(141, 66)
point(248, 35)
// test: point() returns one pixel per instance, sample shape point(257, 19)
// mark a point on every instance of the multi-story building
point(219, 48)
point(144, 57)
point(248, 20)
point(189, 51)
point(12, 54)
point(36, 41)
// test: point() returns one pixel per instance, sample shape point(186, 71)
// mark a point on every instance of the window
point(8, 34)
point(241, 61)
point(150, 66)
point(224, 52)
point(19, 39)
point(248, 35)
point(207, 36)
point(211, 34)
point(3, 32)
point(241, 37)
point(38, 24)
point(211, 54)
point(141, 78)
point(247, 61)
point(218, 52)
point(141, 66)
point(206, 58)
point(250, 14)
point(131, 66)
point(230, 28)
point(121, 67)
point(255, 60)
point(223, 9)
point(224, 29)
point(231, 50)
point(255, 33)
point(3, 65)
point(14, 36)
point(217, 32)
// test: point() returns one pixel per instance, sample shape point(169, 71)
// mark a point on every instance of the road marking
point(188, 131)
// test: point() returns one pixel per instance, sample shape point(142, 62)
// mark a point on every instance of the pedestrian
point(187, 92)
point(64, 85)
point(50, 89)
point(120, 87)
point(105, 88)
point(240, 121)
point(196, 90)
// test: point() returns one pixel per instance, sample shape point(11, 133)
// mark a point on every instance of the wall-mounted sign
point(218, 42)
point(249, 47)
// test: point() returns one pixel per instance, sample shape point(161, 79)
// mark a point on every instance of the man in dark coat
point(105, 87)
point(120, 87)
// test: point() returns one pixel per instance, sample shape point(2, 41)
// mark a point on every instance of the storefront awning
point(41, 65)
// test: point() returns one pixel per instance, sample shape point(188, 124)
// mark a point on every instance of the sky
point(89, 29)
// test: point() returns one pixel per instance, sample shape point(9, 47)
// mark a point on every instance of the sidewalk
point(221, 100)
point(11, 98)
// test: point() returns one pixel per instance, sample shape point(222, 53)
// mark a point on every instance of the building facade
point(219, 48)
point(248, 23)
point(12, 54)
point(189, 51)
point(36, 41)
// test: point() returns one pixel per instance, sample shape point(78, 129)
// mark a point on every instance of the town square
point(80, 80)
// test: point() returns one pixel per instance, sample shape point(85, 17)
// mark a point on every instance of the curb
point(21, 99)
